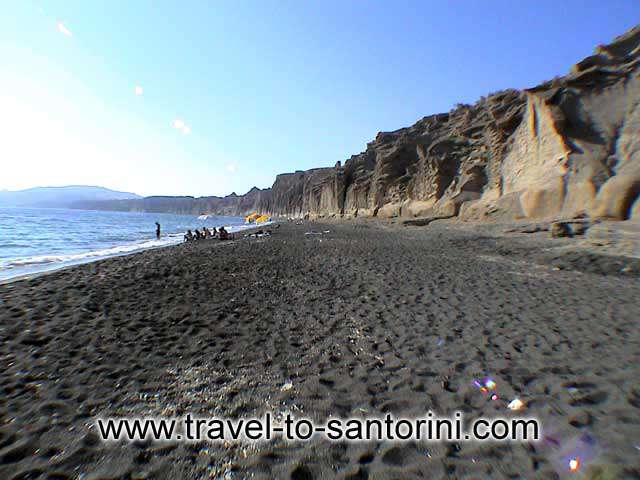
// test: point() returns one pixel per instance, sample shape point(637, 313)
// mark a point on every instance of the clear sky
point(258, 87)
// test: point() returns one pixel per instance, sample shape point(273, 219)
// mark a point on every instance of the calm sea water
point(38, 239)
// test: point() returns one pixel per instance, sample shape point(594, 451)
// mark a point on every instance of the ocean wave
point(13, 245)
point(44, 260)
point(95, 254)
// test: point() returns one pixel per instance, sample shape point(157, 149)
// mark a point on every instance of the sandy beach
point(363, 320)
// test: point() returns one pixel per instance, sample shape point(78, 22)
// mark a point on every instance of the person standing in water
point(157, 230)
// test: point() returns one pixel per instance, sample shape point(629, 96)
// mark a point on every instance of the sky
point(212, 97)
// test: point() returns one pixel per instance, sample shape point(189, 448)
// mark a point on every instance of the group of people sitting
point(220, 233)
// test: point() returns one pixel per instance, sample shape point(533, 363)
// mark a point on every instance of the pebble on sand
point(286, 387)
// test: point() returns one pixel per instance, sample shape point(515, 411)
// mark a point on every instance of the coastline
point(366, 319)
point(606, 259)
point(54, 267)
point(68, 265)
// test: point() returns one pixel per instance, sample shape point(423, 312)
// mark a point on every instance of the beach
point(355, 319)
point(37, 240)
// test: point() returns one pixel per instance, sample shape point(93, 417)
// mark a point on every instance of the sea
point(35, 240)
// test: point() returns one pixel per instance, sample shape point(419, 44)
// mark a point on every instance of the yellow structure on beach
point(257, 218)
point(252, 218)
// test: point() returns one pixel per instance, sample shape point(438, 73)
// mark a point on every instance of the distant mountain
point(60, 197)
point(233, 205)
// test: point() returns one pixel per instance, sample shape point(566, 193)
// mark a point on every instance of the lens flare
point(139, 90)
point(485, 385)
point(515, 404)
point(574, 464)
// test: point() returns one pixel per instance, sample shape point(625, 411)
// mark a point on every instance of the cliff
point(566, 148)
point(231, 205)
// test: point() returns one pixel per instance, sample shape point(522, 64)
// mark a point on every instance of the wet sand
point(364, 320)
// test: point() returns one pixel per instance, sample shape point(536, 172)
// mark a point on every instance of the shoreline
point(88, 260)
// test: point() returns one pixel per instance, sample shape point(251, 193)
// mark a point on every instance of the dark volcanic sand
point(355, 319)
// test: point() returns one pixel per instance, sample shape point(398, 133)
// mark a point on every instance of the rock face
point(230, 205)
point(435, 166)
point(569, 147)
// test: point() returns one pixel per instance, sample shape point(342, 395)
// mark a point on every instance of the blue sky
point(265, 87)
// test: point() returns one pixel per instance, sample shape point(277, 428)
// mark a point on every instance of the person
point(157, 230)
point(188, 236)
point(198, 235)
point(224, 235)
point(214, 232)
point(206, 232)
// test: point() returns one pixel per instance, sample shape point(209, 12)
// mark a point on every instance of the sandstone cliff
point(566, 148)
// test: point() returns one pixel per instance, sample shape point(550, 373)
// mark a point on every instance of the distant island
point(61, 197)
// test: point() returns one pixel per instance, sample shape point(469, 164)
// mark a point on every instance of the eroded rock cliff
point(569, 147)
point(566, 148)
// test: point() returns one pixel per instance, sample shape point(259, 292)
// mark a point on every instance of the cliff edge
point(564, 149)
